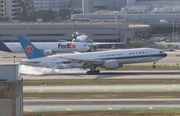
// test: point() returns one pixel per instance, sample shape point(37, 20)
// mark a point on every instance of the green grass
point(99, 81)
point(103, 95)
point(109, 113)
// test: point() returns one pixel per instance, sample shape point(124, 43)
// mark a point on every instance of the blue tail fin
point(29, 49)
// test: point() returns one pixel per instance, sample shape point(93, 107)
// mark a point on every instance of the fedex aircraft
point(85, 39)
point(48, 48)
point(110, 60)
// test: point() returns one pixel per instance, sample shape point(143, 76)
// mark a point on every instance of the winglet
point(3, 47)
point(29, 49)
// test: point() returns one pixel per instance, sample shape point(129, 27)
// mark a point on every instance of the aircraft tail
point(29, 49)
point(3, 47)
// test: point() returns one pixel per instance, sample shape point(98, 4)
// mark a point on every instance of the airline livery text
point(66, 46)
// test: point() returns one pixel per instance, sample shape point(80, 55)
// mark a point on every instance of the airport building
point(42, 4)
point(76, 5)
point(10, 9)
point(89, 6)
point(54, 5)
point(98, 31)
point(142, 11)
point(11, 89)
point(130, 18)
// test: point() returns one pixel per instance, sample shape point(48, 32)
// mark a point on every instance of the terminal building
point(98, 31)
point(142, 11)
point(10, 9)
point(56, 5)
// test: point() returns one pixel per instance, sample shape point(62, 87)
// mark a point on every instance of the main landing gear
point(93, 72)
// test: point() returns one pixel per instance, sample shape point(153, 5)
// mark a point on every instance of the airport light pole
point(177, 33)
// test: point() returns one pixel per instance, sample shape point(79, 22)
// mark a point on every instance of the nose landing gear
point(154, 65)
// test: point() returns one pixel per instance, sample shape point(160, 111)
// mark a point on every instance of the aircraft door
point(150, 54)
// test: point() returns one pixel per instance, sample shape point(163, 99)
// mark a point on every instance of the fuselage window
point(139, 52)
point(146, 52)
point(129, 53)
point(143, 52)
point(136, 52)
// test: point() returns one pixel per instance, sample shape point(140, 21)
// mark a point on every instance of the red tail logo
point(29, 49)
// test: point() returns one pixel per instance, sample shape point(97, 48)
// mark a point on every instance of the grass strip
point(99, 81)
point(108, 113)
point(103, 95)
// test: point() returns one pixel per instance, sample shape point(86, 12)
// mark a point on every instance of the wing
point(96, 62)
point(31, 63)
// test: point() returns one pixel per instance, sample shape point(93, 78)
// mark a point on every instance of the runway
point(162, 74)
point(104, 88)
point(38, 105)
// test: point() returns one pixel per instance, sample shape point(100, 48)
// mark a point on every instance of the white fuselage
point(82, 38)
point(122, 56)
point(56, 47)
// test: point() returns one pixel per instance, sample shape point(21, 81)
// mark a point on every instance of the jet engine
point(48, 52)
point(111, 65)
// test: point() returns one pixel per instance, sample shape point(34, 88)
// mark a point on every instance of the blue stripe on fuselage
point(131, 57)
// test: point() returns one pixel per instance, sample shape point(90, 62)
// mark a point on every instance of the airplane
point(110, 60)
point(170, 45)
point(76, 37)
point(48, 48)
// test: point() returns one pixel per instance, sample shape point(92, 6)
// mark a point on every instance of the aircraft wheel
point(93, 72)
point(98, 71)
point(154, 66)
point(89, 50)
point(90, 72)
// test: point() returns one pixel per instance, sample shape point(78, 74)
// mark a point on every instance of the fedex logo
point(29, 49)
point(66, 46)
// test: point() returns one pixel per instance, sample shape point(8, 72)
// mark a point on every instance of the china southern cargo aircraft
point(110, 60)
point(48, 48)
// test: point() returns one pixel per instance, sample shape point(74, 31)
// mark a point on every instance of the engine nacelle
point(111, 65)
point(48, 52)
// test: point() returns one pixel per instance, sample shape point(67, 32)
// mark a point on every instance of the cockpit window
point(161, 52)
